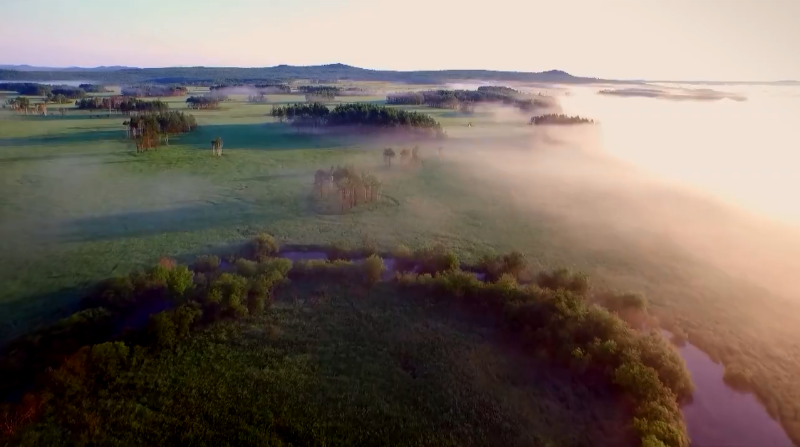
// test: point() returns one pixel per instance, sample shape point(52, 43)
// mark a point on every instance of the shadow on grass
point(64, 156)
point(65, 138)
point(173, 220)
point(22, 316)
point(264, 136)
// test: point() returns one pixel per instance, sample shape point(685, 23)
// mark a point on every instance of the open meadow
point(80, 205)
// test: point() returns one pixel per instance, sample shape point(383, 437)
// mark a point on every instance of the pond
point(721, 416)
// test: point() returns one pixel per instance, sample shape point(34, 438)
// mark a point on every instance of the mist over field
point(712, 181)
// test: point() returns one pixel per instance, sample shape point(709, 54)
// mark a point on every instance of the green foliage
point(163, 329)
point(206, 263)
point(246, 267)
point(262, 247)
point(184, 317)
point(180, 280)
point(435, 259)
point(558, 119)
point(513, 263)
point(576, 282)
point(110, 359)
point(624, 301)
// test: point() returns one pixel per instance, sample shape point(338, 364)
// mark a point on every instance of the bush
point(206, 264)
point(373, 268)
point(738, 378)
point(435, 260)
point(262, 247)
point(339, 251)
point(279, 265)
point(246, 267)
point(513, 264)
point(180, 280)
point(576, 282)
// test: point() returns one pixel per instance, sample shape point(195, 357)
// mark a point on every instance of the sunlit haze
point(622, 39)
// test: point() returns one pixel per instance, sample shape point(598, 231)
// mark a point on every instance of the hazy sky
point(629, 39)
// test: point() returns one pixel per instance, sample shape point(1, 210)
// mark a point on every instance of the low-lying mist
point(701, 187)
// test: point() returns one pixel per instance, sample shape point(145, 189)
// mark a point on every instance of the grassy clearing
point(78, 206)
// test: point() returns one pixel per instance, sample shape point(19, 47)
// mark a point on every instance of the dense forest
point(558, 119)
point(147, 129)
point(154, 90)
point(467, 99)
point(94, 88)
point(48, 91)
point(356, 114)
point(125, 104)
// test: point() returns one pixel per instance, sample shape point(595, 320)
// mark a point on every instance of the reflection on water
point(720, 416)
point(744, 152)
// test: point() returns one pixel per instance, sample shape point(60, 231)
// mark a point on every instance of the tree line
point(124, 104)
point(276, 87)
point(465, 100)
point(154, 90)
point(356, 114)
point(93, 88)
point(204, 102)
point(48, 91)
point(558, 119)
point(407, 156)
point(147, 130)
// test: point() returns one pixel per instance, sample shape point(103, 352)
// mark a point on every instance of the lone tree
point(405, 154)
point(388, 155)
point(216, 147)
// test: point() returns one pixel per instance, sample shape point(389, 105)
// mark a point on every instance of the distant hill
point(62, 69)
point(330, 72)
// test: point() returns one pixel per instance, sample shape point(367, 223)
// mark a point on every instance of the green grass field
point(78, 205)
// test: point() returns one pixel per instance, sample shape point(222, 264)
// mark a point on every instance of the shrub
point(513, 264)
point(232, 293)
point(435, 260)
point(206, 263)
point(180, 280)
point(339, 251)
point(280, 265)
point(576, 282)
point(373, 268)
point(738, 378)
point(246, 267)
point(262, 247)
point(624, 301)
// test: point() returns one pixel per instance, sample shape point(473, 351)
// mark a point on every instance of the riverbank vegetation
point(104, 354)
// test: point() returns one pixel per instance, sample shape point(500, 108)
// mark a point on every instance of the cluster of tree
point(407, 156)
point(410, 98)
point(48, 91)
point(93, 88)
point(321, 93)
point(19, 104)
point(122, 104)
point(147, 130)
point(258, 98)
point(555, 316)
point(465, 100)
point(352, 187)
point(57, 98)
point(558, 119)
point(357, 114)
point(154, 90)
point(204, 102)
point(109, 337)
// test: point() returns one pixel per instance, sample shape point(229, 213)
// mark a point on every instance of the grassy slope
point(346, 369)
point(79, 206)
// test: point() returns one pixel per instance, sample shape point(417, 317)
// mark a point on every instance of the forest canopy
point(467, 99)
point(154, 90)
point(123, 104)
point(356, 114)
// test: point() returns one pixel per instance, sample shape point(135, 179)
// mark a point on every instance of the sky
point(753, 40)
